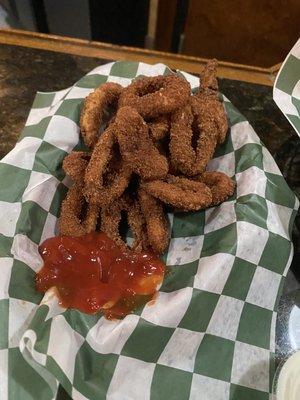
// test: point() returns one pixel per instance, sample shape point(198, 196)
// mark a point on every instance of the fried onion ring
point(211, 108)
point(204, 121)
point(221, 186)
point(136, 147)
point(95, 189)
point(157, 226)
point(181, 134)
point(153, 151)
point(137, 223)
point(208, 76)
point(184, 121)
point(159, 127)
point(210, 115)
point(94, 105)
point(181, 193)
point(70, 221)
point(154, 96)
point(203, 118)
point(91, 218)
point(75, 164)
point(111, 217)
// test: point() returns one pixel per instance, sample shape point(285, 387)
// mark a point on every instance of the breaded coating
point(221, 186)
point(94, 106)
point(181, 193)
point(71, 223)
point(74, 165)
point(136, 147)
point(182, 152)
point(111, 218)
point(95, 189)
point(205, 124)
point(91, 218)
point(159, 127)
point(156, 222)
point(208, 76)
point(137, 223)
point(211, 107)
point(154, 96)
point(198, 127)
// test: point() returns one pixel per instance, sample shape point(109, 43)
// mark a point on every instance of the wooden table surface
point(245, 73)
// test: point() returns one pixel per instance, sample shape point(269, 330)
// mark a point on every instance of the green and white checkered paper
point(210, 334)
point(286, 91)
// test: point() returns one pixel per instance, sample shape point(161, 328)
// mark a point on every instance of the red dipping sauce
point(91, 274)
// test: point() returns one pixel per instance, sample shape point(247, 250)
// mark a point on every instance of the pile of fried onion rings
point(152, 154)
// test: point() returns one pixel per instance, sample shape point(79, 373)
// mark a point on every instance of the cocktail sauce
point(91, 274)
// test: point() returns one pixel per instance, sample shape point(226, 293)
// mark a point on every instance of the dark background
point(249, 32)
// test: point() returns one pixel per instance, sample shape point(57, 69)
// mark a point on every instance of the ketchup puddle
point(92, 274)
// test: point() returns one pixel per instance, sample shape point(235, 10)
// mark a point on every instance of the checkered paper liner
point(210, 333)
point(286, 91)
